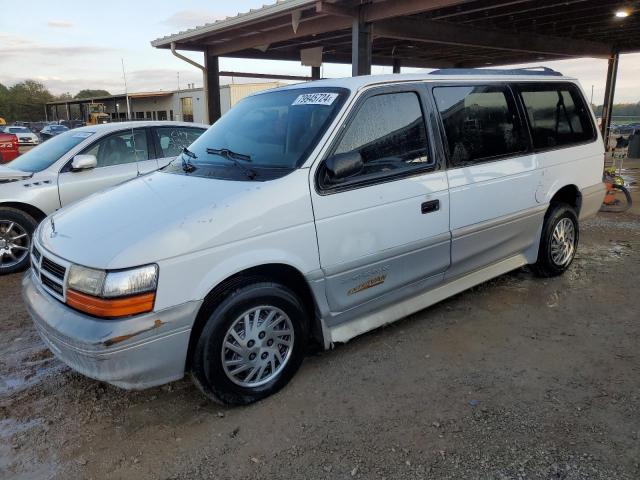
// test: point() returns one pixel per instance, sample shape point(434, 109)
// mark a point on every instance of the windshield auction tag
point(315, 99)
point(82, 134)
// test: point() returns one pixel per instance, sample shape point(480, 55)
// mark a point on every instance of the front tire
point(558, 242)
point(16, 231)
point(252, 344)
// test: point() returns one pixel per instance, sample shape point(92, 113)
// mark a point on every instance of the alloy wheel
point(563, 242)
point(14, 243)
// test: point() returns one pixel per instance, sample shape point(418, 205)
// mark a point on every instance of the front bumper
point(133, 353)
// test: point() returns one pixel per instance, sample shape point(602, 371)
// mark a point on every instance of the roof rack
point(496, 71)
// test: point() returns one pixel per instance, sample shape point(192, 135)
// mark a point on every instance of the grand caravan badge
point(372, 282)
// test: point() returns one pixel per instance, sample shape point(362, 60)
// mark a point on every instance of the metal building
point(186, 105)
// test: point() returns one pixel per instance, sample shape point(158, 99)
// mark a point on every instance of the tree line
point(25, 101)
point(622, 110)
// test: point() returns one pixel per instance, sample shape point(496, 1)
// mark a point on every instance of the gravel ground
point(519, 378)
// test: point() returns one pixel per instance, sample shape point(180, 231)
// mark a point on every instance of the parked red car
point(8, 147)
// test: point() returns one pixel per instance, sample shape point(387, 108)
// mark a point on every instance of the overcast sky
point(71, 45)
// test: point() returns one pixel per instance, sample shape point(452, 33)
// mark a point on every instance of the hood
point(163, 215)
point(9, 174)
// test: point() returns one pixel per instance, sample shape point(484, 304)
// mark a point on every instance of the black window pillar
point(361, 40)
point(396, 65)
point(212, 87)
point(612, 73)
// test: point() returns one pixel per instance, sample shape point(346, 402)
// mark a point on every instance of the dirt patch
point(520, 377)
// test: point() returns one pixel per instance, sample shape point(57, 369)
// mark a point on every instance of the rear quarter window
point(172, 140)
point(557, 114)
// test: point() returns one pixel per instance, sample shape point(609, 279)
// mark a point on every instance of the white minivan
point(315, 212)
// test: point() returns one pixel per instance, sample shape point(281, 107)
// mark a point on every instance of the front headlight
point(86, 280)
point(130, 282)
point(112, 294)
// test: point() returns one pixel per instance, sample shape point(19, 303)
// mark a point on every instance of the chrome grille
point(56, 287)
point(53, 268)
point(50, 272)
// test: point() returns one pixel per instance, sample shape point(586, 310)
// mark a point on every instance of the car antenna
point(135, 152)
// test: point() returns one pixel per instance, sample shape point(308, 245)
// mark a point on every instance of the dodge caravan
point(315, 212)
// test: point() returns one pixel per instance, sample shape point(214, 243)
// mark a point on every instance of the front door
point(492, 174)
point(121, 156)
point(386, 228)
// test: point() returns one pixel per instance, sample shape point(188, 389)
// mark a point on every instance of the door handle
point(430, 206)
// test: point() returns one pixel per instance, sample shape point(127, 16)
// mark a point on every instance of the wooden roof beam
point(312, 26)
point(345, 58)
point(335, 10)
point(451, 34)
point(399, 8)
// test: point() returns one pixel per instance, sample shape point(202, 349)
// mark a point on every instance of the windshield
point(273, 130)
point(47, 153)
point(58, 128)
point(18, 130)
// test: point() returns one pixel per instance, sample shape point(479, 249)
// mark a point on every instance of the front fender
point(192, 277)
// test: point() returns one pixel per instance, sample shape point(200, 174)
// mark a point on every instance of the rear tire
point(16, 232)
point(266, 327)
point(558, 242)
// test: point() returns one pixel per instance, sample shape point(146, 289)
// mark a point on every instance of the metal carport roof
point(423, 33)
point(419, 33)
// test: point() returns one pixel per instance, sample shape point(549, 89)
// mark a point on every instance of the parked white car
point(25, 136)
point(321, 211)
point(73, 165)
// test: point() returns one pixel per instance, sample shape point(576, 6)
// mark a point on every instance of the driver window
point(121, 148)
point(389, 133)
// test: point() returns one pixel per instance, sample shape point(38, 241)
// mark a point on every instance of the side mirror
point(83, 162)
point(344, 165)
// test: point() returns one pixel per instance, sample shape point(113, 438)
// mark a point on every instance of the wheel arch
point(569, 194)
point(35, 212)
point(282, 273)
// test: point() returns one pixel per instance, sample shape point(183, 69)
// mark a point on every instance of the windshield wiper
point(187, 155)
point(235, 159)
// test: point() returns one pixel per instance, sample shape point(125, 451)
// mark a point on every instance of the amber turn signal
point(111, 308)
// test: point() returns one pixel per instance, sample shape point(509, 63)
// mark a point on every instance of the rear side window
point(173, 139)
point(557, 114)
point(480, 122)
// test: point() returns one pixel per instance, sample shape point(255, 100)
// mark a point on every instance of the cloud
point(57, 84)
point(53, 51)
point(12, 46)
point(191, 18)
point(147, 80)
point(59, 24)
